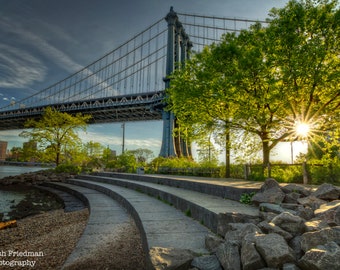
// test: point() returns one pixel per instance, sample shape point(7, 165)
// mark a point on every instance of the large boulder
point(295, 245)
point(229, 256)
point(323, 257)
point(212, 242)
point(329, 212)
point(208, 262)
point(274, 249)
point(274, 208)
point(297, 189)
point(171, 258)
point(237, 231)
point(290, 223)
point(268, 227)
point(315, 225)
point(311, 201)
point(327, 192)
point(292, 197)
point(311, 240)
point(224, 219)
point(250, 257)
point(270, 192)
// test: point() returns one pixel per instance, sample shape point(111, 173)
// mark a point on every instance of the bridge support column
point(178, 50)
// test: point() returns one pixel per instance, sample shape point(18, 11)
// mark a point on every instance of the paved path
point(106, 218)
point(231, 182)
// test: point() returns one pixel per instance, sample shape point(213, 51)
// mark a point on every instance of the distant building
point(3, 150)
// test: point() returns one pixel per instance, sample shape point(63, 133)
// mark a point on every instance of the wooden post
point(304, 173)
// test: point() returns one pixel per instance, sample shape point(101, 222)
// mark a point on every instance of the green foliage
point(246, 197)
point(125, 162)
point(265, 80)
point(68, 168)
point(56, 133)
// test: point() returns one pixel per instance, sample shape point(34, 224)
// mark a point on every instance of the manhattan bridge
point(129, 83)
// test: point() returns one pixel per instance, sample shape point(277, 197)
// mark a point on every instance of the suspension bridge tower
point(178, 48)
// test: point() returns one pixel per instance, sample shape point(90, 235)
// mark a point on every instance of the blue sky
point(44, 41)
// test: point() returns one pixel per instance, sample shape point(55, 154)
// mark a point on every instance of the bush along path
point(300, 229)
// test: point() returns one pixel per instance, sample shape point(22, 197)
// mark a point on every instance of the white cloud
point(19, 68)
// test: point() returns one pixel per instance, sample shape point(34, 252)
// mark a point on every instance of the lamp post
point(123, 144)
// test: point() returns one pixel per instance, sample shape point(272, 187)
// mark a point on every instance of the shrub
point(68, 168)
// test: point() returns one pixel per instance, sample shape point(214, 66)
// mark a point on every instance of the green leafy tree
point(200, 101)
point(142, 155)
point(266, 80)
point(107, 156)
point(16, 153)
point(30, 151)
point(306, 56)
point(55, 132)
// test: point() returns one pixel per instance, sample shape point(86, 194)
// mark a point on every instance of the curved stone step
point(225, 188)
point(212, 211)
point(106, 218)
point(72, 202)
point(160, 224)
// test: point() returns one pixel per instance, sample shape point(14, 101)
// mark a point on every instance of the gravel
point(46, 240)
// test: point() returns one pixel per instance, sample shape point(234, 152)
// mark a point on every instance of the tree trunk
point(57, 158)
point(227, 153)
point(266, 153)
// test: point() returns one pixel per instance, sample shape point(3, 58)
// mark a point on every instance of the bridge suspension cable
point(205, 30)
point(136, 66)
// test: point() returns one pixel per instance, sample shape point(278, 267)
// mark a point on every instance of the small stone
point(171, 258)
point(209, 262)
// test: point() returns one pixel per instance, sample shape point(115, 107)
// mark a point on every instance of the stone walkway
point(167, 216)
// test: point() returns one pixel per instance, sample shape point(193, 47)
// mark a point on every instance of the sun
point(302, 129)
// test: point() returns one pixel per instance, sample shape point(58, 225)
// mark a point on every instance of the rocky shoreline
point(298, 228)
point(36, 200)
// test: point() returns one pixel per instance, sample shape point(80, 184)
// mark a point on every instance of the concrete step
point(71, 201)
point(160, 224)
point(222, 187)
point(210, 210)
point(106, 218)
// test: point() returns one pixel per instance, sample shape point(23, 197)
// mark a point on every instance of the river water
point(9, 198)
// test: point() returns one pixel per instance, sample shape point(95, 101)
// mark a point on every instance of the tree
point(199, 100)
point(306, 56)
point(56, 131)
point(142, 155)
point(266, 80)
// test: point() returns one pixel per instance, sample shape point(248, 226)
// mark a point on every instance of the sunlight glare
point(302, 129)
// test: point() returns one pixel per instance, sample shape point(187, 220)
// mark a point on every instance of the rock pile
point(35, 178)
point(298, 229)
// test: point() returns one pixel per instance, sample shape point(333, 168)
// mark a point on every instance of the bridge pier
point(178, 51)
